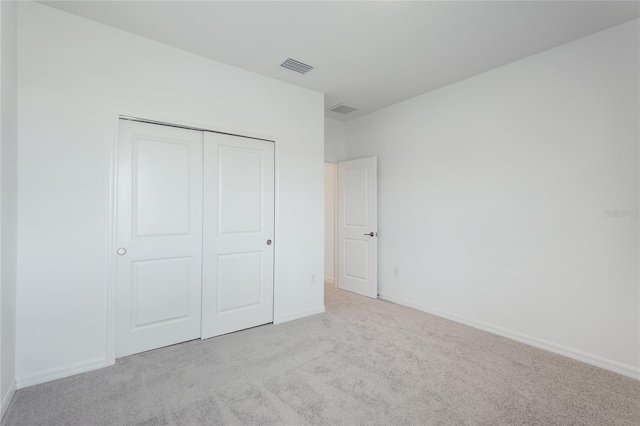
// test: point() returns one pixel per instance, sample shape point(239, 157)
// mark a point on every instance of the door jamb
point(336, 243)
point(335, 222)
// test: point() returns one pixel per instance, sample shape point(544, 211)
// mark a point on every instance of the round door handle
point(122, 251)
point(269, 242)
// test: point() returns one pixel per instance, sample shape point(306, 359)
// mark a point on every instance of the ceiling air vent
point(297, 66)
point(342, 109)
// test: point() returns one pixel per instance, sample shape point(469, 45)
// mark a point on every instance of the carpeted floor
point(363, 362)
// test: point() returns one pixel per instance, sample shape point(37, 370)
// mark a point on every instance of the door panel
point(356, 259)
point(240, 174)
point(239, 281)
point(358, 226)
point(237, 291)
point(149, 306)
point(159, 224)
point(355, 181)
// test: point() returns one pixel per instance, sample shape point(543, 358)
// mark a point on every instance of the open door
point(358, 226)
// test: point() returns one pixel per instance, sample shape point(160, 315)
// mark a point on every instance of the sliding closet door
point(159, 236)
point(238, 219)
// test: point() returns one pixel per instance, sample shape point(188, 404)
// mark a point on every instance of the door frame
point(335, 222)
point(160, 119)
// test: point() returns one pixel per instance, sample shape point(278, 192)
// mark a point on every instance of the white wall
point(334, 140)
point(330, 208)
point(8, 199)
point(73, 74)
point(492, 199)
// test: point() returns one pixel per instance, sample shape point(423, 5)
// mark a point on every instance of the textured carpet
point(363, 362)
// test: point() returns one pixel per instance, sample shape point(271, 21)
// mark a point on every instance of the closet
point(195, 231)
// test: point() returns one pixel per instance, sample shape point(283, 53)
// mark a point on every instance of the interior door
point(159, 236)
point(237, 291)
point(358, 226)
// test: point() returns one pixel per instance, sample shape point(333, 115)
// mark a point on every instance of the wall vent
point(342, 109)
point(297, 66)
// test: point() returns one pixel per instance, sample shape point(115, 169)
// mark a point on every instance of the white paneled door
point(195, 235)
point(159, 236)
point(238, 248)
point(358, 226)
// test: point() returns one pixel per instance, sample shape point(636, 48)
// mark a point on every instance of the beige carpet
point(364, 362)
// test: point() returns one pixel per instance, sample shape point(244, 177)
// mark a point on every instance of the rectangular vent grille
point(296, 66)
point(342, 109)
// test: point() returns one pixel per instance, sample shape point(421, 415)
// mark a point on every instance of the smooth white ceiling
point(367, 54)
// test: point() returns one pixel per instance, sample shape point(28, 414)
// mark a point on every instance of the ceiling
point(366, 54)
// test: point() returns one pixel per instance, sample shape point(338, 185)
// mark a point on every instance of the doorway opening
point(351, 226)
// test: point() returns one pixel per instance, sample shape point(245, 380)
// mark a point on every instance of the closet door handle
point(268, 242)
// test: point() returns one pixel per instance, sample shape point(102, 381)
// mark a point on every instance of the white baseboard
point(607, 364)
point(6, 398)
point(298, 315)
point(330, 280)
point(60, 372)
